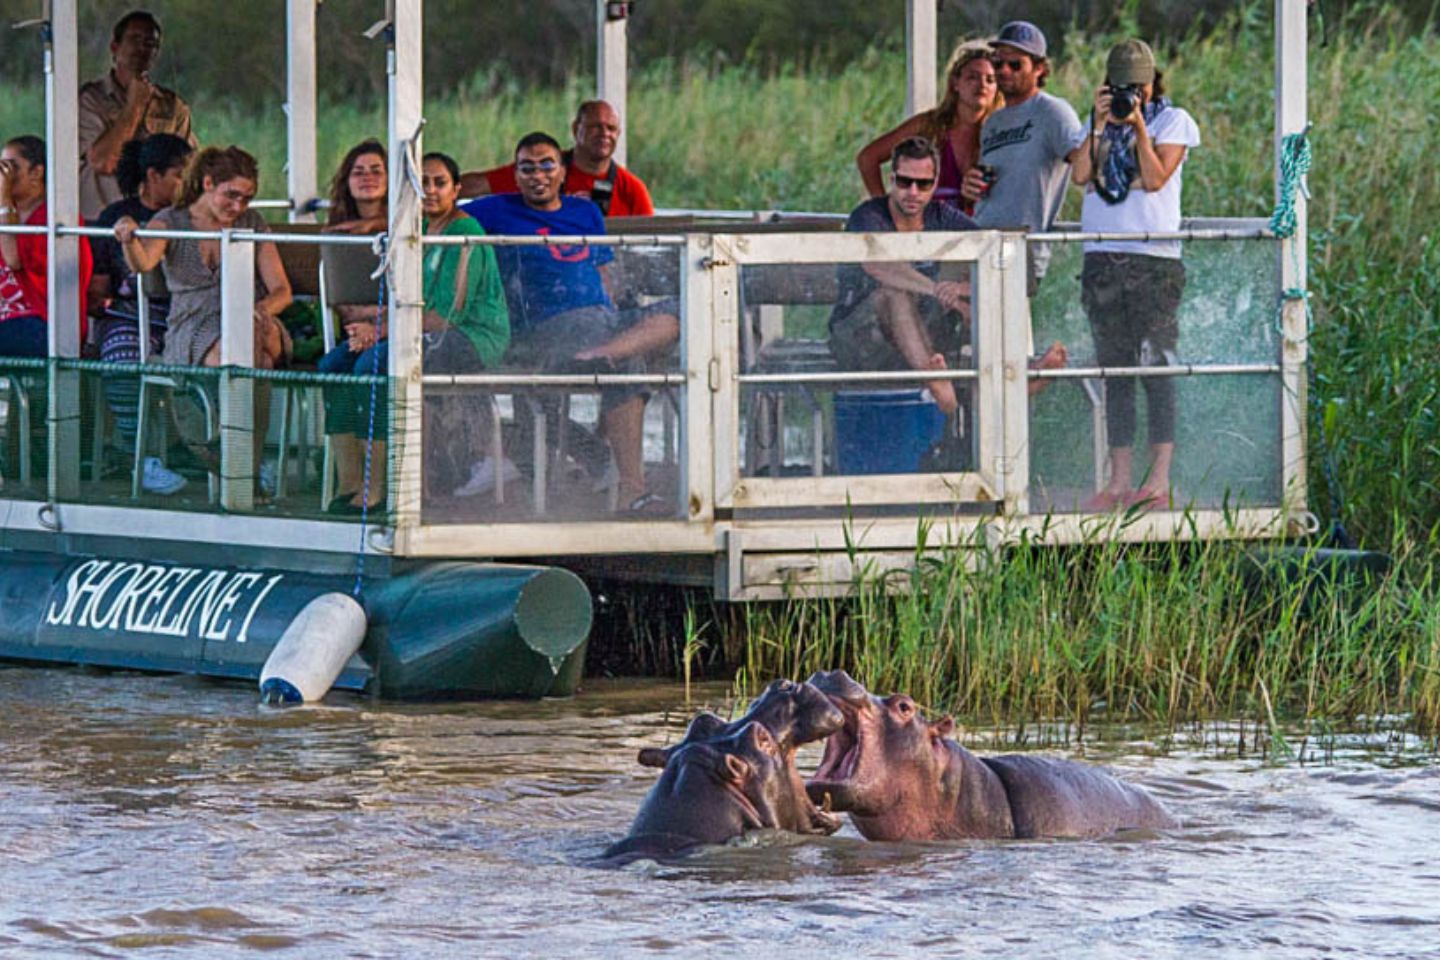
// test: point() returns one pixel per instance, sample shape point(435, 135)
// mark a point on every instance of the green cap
point(1130, 63)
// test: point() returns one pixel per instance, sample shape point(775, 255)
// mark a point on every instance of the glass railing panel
point(150, 438)
point(1227, 419)
point(826, 388)
point(580, 418)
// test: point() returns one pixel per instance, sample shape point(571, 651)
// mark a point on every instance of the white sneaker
point(482, 477)
point(268, 475)
point(155, 477)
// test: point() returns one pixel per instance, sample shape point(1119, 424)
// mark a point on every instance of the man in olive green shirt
point(121, 106)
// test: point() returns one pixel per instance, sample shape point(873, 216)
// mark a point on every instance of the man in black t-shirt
point(904, 316)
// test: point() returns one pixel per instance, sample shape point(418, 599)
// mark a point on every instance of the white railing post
point(611, 66)
point(697, 346)
point(1291, 117)
point(405, 286)
point(1012, 463)
point(62, 201)
point(920, 55)
point(300, 113)
point(237, 393)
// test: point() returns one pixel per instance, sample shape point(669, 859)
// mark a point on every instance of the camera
point(987, 174)
point(1124, 98)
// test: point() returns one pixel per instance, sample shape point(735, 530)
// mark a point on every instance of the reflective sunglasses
point(919, 183)
point(531, 167)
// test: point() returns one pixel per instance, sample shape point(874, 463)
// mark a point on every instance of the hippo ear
point(654, 757)
point(739, 768)
point(943, 727)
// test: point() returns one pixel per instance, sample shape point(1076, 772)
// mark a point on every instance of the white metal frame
point(1000, 374)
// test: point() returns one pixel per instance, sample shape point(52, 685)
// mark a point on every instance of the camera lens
point(1122, 102)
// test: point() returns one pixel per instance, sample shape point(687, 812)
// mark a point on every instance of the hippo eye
point(905, 707)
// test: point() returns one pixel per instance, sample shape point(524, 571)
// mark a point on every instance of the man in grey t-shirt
point(1025, 145)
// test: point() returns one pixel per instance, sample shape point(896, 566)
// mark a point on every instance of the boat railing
point(751, 424)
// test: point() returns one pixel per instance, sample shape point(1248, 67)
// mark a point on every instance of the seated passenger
point(590, 168)
point(148, 173)
point(560, 310)
point(24, 258)
point(214, 195)
point(466, 330)
point(953, 126)
point(360, 191)
point(359, 204)
point(901, 316)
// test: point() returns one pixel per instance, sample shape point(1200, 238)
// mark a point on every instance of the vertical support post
point(1291, 91)
point(300, 113)
point(1012, 453)
point(611, 67)
point(62, 200)
point(920, 55)
point(403, 62)
point(695, 457)
point(237, 393)
point(712, 289)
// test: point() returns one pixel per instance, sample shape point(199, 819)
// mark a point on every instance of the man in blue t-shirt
point(561, 315)
point(903, 316)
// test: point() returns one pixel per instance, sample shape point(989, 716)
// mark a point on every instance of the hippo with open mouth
point(794, 713)
point(901, 778)
point(713, 791)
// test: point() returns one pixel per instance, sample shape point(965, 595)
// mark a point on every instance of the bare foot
point(1051, 359)
point(942, 390)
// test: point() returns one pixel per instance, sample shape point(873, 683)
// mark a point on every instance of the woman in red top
point(23, 285)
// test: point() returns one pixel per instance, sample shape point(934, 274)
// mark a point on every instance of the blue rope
point(357, 590)
point(1294, 166)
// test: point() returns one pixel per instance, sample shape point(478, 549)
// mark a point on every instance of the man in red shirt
point(590, 168)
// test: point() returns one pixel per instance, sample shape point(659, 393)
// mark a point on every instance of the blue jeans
point(24, 337)
point(347, 405)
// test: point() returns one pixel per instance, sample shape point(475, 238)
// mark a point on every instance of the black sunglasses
point(1016, 65)
point(905, 183)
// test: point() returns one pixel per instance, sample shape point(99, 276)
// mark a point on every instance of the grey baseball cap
point(1022, 35)
point(1130, 62)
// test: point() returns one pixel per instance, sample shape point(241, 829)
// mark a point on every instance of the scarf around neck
point(1118, 167)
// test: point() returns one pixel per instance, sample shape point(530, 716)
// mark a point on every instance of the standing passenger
point(121, 106)
point(953, 126)
point(1130, 168)
point(1025, 145)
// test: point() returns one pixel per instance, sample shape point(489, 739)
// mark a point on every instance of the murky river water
point(175, 815)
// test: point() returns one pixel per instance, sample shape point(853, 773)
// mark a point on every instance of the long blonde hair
point(219, 165)
point(941, 120)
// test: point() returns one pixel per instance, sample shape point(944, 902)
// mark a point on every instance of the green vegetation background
point(1141, 635)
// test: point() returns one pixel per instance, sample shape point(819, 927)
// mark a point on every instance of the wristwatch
point(6, 211)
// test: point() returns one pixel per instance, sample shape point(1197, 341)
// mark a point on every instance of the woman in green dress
point(466, 330)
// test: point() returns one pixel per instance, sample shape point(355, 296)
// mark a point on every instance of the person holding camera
point(1130, 167)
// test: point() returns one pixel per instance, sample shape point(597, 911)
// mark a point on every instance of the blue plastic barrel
point(884, 431)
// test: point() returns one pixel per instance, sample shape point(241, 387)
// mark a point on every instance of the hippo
point(900, 777)
point(712, 791)
point(794, 713)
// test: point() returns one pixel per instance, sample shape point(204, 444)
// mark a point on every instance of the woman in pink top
point(970, 97)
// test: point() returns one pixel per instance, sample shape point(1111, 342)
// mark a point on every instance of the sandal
point(647, 504)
